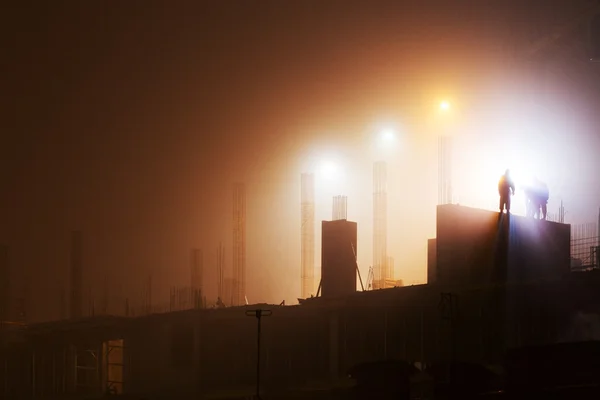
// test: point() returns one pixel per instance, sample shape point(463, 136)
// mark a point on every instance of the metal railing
point(585, 253)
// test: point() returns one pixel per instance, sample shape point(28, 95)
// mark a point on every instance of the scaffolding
point(340, 208)
point(307, 234)
point(76, 263)
point(380, 269)
point(220, 270)
point(239, 244)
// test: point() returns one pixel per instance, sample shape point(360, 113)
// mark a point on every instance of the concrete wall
point(482, 247)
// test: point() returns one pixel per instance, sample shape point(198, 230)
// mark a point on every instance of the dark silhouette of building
point(473, 246)
point(338, 258)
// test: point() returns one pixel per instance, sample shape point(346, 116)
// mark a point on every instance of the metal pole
point(258, 314)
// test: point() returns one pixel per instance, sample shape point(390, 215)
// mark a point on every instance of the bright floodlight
point(329, 170)
point(444, 106)
point(387, 136)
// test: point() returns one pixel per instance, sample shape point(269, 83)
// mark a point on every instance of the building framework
point(239, 245)
point(307, 235)
point(76, 264)
point(220, 271)
point(340, 208)
point(380, 267)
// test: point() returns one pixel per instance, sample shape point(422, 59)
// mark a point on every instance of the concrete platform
point(475, 246)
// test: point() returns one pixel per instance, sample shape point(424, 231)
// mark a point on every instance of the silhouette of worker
point(541, 194)
point(506, 188)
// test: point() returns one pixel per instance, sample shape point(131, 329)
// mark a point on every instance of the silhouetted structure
point(380, 268)
point(340, 208)
point(203, 352)
point(76, 261)
point(307, 235)
point(338, 258)
point(584, 246)
point(474, 247)
point(220, 271)
point(239, 244)
point(431, 260)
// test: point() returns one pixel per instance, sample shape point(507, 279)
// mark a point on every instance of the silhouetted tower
point(76, 261)
point(239, 244)
point(220, 271)
point(338, 258)
point(5, 291)
point(197, 270)
point(340, 208)
point(307, 235)
point(444, 169)
point(379, 224)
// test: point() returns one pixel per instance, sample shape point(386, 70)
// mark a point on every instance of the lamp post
point(258, 314)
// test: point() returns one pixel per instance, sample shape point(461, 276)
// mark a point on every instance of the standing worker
point(542, 194)
point(506, 188)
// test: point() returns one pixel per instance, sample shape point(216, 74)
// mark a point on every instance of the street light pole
point(258, 314)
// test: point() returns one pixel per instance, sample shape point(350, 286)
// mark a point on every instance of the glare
point(444, 106)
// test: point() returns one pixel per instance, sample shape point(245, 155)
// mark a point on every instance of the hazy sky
point(131, 120)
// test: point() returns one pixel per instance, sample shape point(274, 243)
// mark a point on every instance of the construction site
point(495, 282)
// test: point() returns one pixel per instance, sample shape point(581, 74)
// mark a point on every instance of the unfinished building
point(307, 235)
point(518, 297)
point(205, 352)
point(380, 256)
point(239, 245)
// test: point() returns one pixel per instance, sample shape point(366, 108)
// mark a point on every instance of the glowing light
point(388, 136)
point(444, 106)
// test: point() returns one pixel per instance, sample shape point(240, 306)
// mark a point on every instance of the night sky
point(131, 121)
